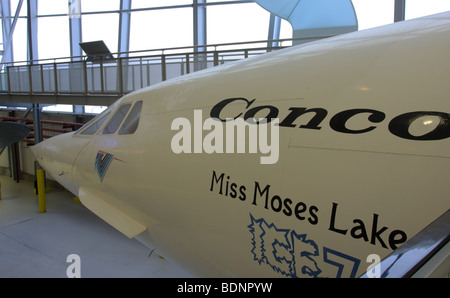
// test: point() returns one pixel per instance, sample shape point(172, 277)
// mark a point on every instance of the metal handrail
point(164, 50)
point(126, 72)
point(408, 260)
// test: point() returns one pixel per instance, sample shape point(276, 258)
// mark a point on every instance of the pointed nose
point(57, 156)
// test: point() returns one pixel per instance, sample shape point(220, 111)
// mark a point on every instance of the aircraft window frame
point(131, 123)
point(117, 119)
point(93, 126)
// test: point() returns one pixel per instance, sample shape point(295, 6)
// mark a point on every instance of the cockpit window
point(115, 121)
point(92, 128)
point(131, 123)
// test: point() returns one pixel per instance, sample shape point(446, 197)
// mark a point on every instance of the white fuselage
point(362, 159)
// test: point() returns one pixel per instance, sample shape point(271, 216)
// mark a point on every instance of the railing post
point(163, 67)
point(55, 76)
point(85, 78)
point(141, 73)
point(120, 75)
point(147, 69)
point(216, 58)
point(188, 66)
point(41, 66)
point(30, 80)
point(102, 88)
point(9, 79)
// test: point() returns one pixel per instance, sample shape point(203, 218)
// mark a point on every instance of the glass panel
point(36, 78)
point(98, 5)
point(23, 11)
point(19, 79)
point(53, 37)
point(115, 121)
point(418, 8)
point(48, 76)
point(94, 109)
point(96, 123)
point(156, 29)
point(58, 108)
point(286, 32)
point(102, 27)
point(46, 7)
point(221, 0)
point(131, 123)
point(237, 23)
point(374, 13)
point(20, 39)
point(157, 3)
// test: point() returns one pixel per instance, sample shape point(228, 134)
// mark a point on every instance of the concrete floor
point(34, 244)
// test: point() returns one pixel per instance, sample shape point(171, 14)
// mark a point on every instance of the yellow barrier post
point(41, 189)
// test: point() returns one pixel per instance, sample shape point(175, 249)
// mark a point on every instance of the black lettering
point(313, 212)
point(226, 187)
point(299, 209)
point(242, 190)
point(394, 242)
point(287, 207)
point(250, 115)
point(333, 219)
point(399, 126)
point(340, 119)
point(276, 203)
point(261, 193)
point(216, 180)
point(376, 233)
point(314, 123)
point(233, 192)
point(217, 109)
point(361, 228)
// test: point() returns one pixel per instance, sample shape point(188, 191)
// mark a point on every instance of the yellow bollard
point(41, 189)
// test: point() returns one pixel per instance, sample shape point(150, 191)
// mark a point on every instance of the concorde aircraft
point(297, 163)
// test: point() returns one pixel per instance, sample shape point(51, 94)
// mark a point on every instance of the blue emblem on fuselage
point(102, 162)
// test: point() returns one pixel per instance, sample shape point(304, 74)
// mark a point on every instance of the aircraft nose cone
point(57, 156)
point(37, 151)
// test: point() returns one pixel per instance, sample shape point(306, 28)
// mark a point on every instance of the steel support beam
point(7, 31)
point(200, 38)
point(37, 123)
point(124, 27)
point(274, 32)
point(32, 30)
point(399, 12)
point(75, 29)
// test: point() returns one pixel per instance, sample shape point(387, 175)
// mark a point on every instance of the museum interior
point(65, 62)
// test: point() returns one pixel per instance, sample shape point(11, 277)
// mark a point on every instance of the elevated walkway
point(75, 80)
